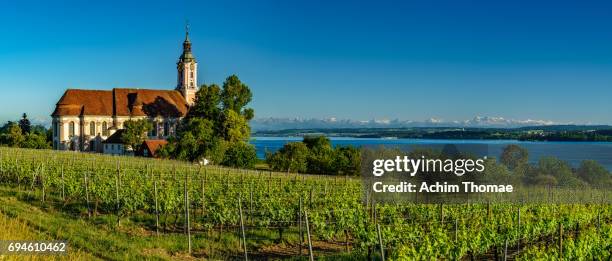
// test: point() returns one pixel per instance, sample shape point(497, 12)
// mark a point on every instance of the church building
point(83, 119)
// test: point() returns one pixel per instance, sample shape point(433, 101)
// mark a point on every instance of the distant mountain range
point(275, 124)
point(263, 124)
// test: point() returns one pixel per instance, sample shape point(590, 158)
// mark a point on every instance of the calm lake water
point(572, 152)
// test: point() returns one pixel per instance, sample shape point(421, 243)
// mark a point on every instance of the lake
point(572, 152)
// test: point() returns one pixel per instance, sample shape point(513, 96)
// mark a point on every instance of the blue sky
point(549, 60)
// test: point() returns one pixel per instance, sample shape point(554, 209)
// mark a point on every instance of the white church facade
point(83, 119)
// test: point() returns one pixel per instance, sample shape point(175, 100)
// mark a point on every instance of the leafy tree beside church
point(216, 127)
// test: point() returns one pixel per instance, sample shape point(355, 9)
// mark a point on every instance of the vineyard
point(221, 213)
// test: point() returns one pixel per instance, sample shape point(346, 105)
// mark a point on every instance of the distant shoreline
point(559, 133)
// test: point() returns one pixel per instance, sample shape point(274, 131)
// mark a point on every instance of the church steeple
point(187, 68)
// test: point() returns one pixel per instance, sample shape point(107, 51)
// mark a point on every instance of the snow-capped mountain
point(272, 123)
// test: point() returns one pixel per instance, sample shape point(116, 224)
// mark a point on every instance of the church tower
point(187, 67)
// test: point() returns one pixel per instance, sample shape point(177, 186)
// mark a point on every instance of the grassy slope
point(15, 229)
point(98, 240)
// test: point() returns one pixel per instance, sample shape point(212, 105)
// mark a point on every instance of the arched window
point(166, 129)
point(153, 132)
point(104, 129)
point(71, 128)
point(92, 128)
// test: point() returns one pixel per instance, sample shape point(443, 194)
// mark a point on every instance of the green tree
point(560, 170)
point(320, 156)
point(315, 142)
point(206, 104)
point(195, 139)
point(14, 136)
point(217, 123)
point(235, 96)
point(235, 127)
point(347, 160)
point(545, 180)
point(24, 124)
point(240, 155)
point(135, 132)
point(514, 156)
point(35, 141)
point(594, 173)
point(291, 157)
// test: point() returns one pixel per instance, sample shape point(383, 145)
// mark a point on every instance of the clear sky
point(548, 60)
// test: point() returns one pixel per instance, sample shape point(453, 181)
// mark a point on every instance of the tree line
point(316, 155)
point(22, 134)
point(553, 171)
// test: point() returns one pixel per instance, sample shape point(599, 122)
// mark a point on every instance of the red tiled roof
point(121, 102)
point(153, 145)
point(85, 102)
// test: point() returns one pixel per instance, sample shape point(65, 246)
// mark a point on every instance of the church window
point(104, 129)
point(71, 128)
point(55, 129)
point(153, 132)
point(92, 128)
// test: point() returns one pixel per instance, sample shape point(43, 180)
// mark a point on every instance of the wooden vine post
point(187, 224)
point(117, 194)
point(560, 240)
point(63, 183)
point(42, 181)
point(156, 208)
point(518, 242)
point(244, 245)
point(380, 242)
point(309, 239)
point(87, 195)
point(301, 239)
